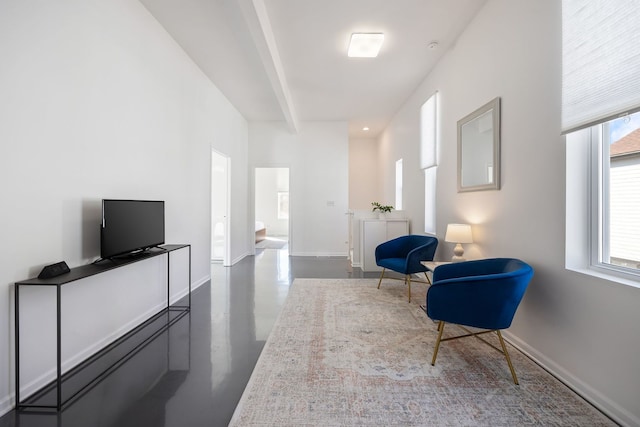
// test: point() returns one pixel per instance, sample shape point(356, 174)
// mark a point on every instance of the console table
point(83, 272)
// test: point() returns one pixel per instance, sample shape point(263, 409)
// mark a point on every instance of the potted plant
point(382, 209)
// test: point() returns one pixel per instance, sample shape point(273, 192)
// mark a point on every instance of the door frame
point(226, 256)
point(253, 199)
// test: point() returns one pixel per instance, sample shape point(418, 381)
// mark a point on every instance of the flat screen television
point(130, 226)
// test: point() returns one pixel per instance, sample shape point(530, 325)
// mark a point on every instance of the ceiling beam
point(255, 14)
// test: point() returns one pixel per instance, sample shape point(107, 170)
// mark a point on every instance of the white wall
point(99, 102)
point(582, 328)
point(413, 177)
point(364, 179)
point(318, 195)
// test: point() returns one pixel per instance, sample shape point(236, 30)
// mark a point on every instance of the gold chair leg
point(408, 280)
point(506, 355)
point(427, 276)
point(435, 351)
point(381, 276)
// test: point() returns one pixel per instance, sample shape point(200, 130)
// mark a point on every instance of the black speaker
point(54, 270)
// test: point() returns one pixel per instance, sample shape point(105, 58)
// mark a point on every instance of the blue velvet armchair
point(481, 294)
point(403, 255)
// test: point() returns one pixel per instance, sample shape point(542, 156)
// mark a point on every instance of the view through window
point(619, 198)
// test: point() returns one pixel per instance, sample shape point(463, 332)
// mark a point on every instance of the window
point(430, 200)
point(429, 132)
point(428, 159)
point(616, 164)
point(600, 61)
point(283, 205)
point(600, 118)
point(399, 184)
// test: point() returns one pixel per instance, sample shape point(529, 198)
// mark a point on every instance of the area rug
point(344, 353)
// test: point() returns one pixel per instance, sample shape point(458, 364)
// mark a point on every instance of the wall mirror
point(479, 149)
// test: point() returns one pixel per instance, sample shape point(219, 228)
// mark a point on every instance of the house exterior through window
point(620, 183)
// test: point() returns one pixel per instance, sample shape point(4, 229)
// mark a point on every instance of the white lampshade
point(458, 233)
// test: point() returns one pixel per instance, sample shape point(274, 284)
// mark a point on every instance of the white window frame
point(586, 216)
point(399, 184)
point(429, 144)
point(600, 231)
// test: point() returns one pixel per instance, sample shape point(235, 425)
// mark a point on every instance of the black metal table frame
point(58, 282)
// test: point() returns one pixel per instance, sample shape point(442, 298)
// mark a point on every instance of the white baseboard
point(240, 258)
point(7, 403)
point(204, 279)
point(194, 285)
point(593, 396)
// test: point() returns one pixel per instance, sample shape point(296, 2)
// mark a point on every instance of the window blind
point(600, 61)
point(428, 132)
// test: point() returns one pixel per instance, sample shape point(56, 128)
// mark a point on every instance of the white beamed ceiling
point(287, 59)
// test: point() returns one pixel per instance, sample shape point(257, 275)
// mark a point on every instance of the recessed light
point(433, 45)
point(365, 45)
point(365, 128)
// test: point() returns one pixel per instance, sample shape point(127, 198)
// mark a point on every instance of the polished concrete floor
point(194, 372)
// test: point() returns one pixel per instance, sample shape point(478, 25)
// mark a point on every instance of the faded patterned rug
point(344, 353)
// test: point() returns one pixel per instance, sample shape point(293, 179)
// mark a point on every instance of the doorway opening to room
point(272, 207)
point(220, 169)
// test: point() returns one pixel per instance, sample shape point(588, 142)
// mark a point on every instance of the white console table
point(376, 231)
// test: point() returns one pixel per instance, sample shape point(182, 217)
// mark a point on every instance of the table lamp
point(458, 233)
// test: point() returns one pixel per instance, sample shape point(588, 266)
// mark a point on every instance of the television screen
point(130, 225)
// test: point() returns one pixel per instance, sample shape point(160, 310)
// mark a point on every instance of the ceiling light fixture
point(365, 45)
point(365, 128)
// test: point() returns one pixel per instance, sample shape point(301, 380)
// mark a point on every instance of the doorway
point(272, 207)
point(220, 167)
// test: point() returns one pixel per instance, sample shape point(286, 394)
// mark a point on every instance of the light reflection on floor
point(230, 320)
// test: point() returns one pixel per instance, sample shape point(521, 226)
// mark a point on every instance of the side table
point(432, 265)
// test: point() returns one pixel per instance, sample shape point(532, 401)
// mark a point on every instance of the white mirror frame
point(485, 164)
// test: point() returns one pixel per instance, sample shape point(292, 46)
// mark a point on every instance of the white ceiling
point(287, 59)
